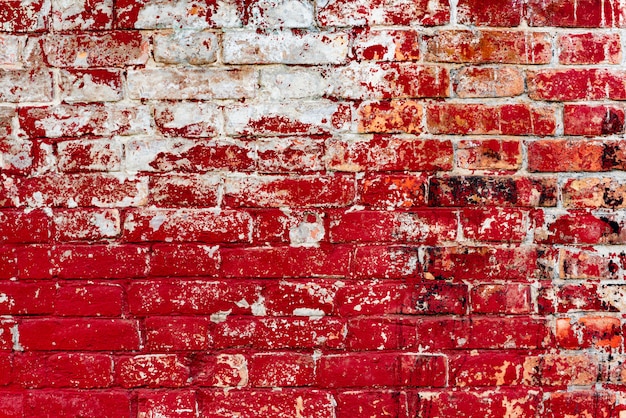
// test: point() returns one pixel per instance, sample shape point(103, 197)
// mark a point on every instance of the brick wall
point(299, 208)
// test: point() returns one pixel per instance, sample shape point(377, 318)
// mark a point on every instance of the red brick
point(576, 84)
point(375, 13)
point(161, 297)
point(289, 154)
point(93, 85)
point(371, 403)
point(11, 404)
point(94, 155)
point(381, 369)
point(395, 116)
point(29, 262)
point(492, 13)
point(436, 298)
point(386, 262)
point(593, 120)
point(279, 191)
point(100, 261)
point(173, 260)
point(8, 262)
point(576, 155)
point(502, 333)
point(188, 155)
point(20, 16)
point(481, 403)
point(388, 80)
point(279, 333)
point(387, 45)
point(492, 191)
point(602, 332)
point(495, 224)
point(389, 191)
point(177, 333)
point(301, 298)
point(567, 370)
point(105, 49)
point(9, 337)
point(72, 190)
point(6, 365)
point(283, 262)
point(490, 263)
point(488, 46)
point(89, 300)
point(282, 370)
point(86, 224)
point(387, 333)
point(83, 334)
point(24, 227)
point(423, 226)
point(91, 15)
point(186, 225)
point(578, 227)
point(303, 226)
point(388, 153)
point(585, 264)
point(382, 296)
point(104, 404)
point(590, 48)
point(26, 298)
point(84, 119)
point(594, 192)
point(63, 370)
point(501, 298)
point(222, 370)
point(595, 403)
point(171, 403)
point(479, 119)
point(586, 297)
point(486, 369)
point(582, 14)
point(262, 403)
point(488, 82)
point(184, 190)
point(153, 370)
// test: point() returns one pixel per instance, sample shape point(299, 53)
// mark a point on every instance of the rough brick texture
point(312, 208)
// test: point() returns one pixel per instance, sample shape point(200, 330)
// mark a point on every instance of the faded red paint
point(274, 208)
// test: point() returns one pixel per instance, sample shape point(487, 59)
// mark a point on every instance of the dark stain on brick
point(612, 124)
point(611, 199)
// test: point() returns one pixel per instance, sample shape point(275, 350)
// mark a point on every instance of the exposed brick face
point(312, 208)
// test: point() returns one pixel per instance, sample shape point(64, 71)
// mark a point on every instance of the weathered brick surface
point(312, 208)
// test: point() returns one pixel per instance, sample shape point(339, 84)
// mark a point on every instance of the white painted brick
point(248, 47)
point(185, 47)
point(10, 48)
point(189, 119)
point(280, 82)
point(282, 14)
point(286, 118)
point(199, 84)
point(90, 86)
